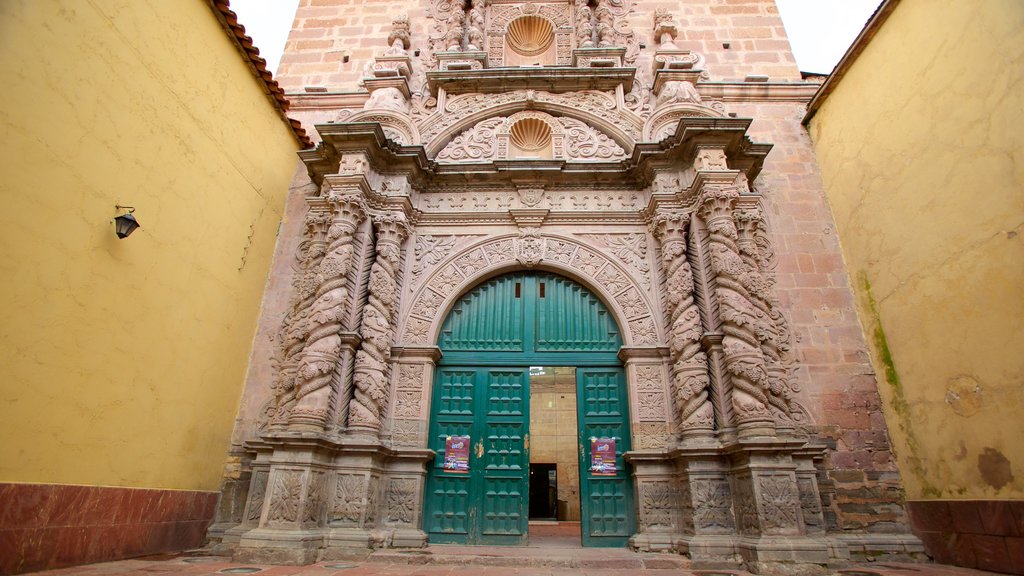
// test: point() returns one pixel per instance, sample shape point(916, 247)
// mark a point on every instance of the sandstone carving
point(371, 365)
point(743, 356)
point(690, 379)
point(312, 346)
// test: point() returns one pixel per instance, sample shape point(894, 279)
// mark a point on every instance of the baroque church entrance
point(501, 337)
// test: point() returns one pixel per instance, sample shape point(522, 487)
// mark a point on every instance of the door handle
point(480, 449)
point(526, 442)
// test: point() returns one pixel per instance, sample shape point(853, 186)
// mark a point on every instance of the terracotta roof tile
point(259, 66)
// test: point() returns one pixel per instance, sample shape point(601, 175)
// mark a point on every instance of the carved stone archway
point(610, 281)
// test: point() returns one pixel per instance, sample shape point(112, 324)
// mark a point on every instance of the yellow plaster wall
point(922, 154)
point(122, 361)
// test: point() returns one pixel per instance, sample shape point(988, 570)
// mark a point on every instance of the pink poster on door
point(456, 454)
point(602, 456)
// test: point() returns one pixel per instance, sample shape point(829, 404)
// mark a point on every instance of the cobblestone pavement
point(169, 565)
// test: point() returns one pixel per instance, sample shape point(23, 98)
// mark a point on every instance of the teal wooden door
point(481, 390)
point(606, 500)
point(486, 505)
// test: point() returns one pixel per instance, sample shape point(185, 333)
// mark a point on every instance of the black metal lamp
point(125, 224)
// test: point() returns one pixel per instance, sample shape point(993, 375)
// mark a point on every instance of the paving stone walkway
point(186, 565)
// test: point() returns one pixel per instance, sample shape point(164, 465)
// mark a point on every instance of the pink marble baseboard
point(45, 526)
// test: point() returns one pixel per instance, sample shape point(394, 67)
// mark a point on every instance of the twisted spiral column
point(377, 329)
point(313, 389)
point(744, 359)
point(294, 329)
point(771, 330)
point(690, 378)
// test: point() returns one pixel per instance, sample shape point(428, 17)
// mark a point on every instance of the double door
point(488, 406)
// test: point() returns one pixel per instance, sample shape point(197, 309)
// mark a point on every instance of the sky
point(820, 31)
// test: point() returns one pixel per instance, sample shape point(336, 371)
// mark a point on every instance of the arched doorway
point(502, 336)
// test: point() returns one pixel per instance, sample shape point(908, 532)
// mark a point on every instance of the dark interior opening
point(543, 491)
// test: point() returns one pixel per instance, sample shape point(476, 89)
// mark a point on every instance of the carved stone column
point(771, 327)
point(315, 380)
point(744, 360)
point(294, 328)
point(689, 364)
point(378, 328)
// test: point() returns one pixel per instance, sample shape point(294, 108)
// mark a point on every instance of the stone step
point(529, 556)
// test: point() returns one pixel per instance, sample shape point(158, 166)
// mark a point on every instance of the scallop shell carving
point(530, 134)
point(530, 35)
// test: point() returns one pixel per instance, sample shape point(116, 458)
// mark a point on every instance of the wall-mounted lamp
point(125, 224)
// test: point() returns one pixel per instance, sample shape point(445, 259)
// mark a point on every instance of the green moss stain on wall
point(898, 401)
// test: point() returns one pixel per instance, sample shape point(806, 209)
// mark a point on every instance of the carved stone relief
point(650, 436)
point(595, 108)
point(349, 502)
point(257, 494)
point(409, 391)
point(571, 139)
point(657, 505)
point(400, 501)
point(747, 518)
point(477, 144)
point(780, 506)
point(315, 504)
point(583, 142)
point(712, 505)
point(284, 499)
point(630, 249)
point(530, 248)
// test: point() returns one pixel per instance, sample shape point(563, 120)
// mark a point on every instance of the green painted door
point(481, 390)
point(607, 500)
point(486, 505)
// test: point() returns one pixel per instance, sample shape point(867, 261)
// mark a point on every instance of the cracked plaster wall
point(920, 150)
point(122, 361)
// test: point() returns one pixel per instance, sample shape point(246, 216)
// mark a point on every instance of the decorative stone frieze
point(531, 246)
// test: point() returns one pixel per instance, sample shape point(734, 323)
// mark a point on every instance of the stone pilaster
point(658, 488)
point(371, 379)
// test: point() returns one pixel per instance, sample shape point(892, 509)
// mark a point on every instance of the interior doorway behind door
point(554, 459)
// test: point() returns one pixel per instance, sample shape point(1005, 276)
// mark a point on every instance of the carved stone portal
point(644, 201)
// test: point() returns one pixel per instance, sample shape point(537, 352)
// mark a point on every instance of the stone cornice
point(801, 92)
point(551, 79)
point(633, 172)
point(327, 100)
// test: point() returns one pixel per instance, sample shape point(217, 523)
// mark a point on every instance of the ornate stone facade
point(638, 188)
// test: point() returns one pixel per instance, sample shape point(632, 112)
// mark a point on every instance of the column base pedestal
point(287, 547)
